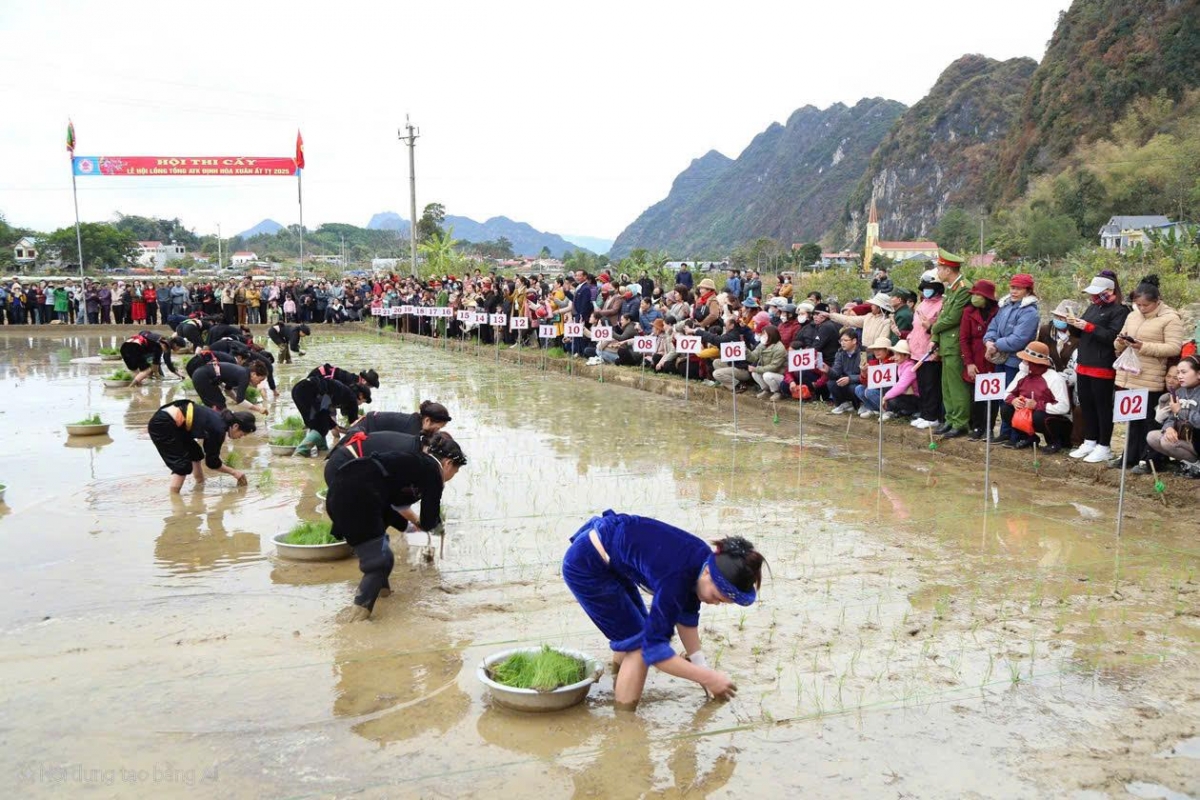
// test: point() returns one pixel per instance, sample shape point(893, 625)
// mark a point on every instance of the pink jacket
point(918, 338)
point(907, 383)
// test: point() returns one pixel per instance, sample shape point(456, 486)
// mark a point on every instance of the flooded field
point(916, 639)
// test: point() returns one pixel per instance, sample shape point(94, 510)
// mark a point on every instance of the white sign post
point(498, 323)
point(546, 333)
point(989, 387)
point(732, 352)
point(798, 362)
point(571, 332)
point(601, 333)
point(643, 346)
point(1129, 406)
point(520, 324)
point(881, 377)
point(688, 346)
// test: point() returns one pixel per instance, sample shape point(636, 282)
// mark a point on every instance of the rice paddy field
point(921, 635)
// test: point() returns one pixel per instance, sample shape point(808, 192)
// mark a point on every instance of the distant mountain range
point(593, 243)
point(526, 240)
point(267, 226)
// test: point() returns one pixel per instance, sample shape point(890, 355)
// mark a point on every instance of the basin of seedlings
point(311, 541)
point(120, 379)
point(539, 678)
point(88, 426)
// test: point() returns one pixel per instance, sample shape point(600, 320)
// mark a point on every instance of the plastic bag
point(1129, 362)
point(1023, 420)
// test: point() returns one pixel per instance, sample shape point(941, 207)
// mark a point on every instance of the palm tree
point(439, 252)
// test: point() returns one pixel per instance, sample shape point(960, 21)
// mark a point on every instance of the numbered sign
point(881, 376)
point(801, 360)
point(733, 351)
point(572, 330)
point(989, 386)
point(602, 333)
point(481, 318)
point(688, 344)
point(643, 345)
point(394, 311)
point(376, 311)
point(448, 312)
point(520, 323)
point(1130, 405)
point(463, 316)
point(406, 310)
point(499, 319)
point(546, 332)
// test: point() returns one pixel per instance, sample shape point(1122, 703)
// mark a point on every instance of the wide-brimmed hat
point(900, 347)
point(882, 343)
point(777, 302)
point(708, 284)
point(805, 307)
point(1065, 309)
point(1099, 286)
point(788, 308)
point(984, 288)
point(882, 300)
point(1036, 353)
point(750, 302)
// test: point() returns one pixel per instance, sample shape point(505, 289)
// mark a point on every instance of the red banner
point(185, 166)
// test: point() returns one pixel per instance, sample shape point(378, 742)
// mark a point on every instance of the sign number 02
point(1130, 405)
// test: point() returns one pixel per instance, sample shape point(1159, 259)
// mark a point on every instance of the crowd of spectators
point(1060, 369)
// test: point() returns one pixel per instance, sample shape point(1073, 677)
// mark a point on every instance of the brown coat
point(1161, 335)
point(1060, 353)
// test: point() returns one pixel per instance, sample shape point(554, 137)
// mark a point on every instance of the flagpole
point(300, 190)
point(78, 242)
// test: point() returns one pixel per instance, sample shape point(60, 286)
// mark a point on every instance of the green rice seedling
point(543, 671)
point(310, 532)
point(187, 385)
point(289, 439)
point(120, 375)
point(94, 419)
point(292, 423)
point(109, 351)
point(253, 395)
point(233, 459)
point(266, 480)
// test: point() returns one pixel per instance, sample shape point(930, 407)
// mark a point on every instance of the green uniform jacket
point(945, 329)
point(904, 321)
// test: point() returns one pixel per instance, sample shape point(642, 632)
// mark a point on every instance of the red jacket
point(970, 337)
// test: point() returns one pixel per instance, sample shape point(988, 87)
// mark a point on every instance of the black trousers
point(175, 445)
point(1136, 448)
point(1096, 402)
point(929, 386)
point(356, 508)
point(209, 389)
point(1056, 429)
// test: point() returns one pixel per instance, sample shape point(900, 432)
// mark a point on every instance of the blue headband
point(725, 587)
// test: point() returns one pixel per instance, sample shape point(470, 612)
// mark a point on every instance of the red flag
point(299, 151)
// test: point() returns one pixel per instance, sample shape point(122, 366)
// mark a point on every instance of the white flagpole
point(82, 320)
point(300, 190)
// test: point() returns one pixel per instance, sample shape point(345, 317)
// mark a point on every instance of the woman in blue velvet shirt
point(613, 555)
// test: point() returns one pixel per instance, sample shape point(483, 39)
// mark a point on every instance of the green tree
point(545, 253)
point(1051, 236)
point(150, 229)
point(439, 254)
point(809, 253)
point(431, 221)
point(103, 246)
point(956, 231)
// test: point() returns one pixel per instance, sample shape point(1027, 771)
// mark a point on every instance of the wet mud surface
point(917, 639)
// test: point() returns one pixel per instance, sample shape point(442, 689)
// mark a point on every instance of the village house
point(242, 257)
point(156, 254)
point(25, 251)
point(1122, 233)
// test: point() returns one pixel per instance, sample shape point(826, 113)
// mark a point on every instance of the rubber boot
point(310, 440)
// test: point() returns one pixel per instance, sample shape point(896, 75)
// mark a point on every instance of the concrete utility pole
point(411, 141)
point(218, 245)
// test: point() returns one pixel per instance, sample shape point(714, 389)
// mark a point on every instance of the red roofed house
point(896, 251)
point(242, 257)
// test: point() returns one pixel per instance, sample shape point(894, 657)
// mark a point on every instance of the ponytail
point(740, 563)
point(441, 445)
point(243, 419)
point(434, 411)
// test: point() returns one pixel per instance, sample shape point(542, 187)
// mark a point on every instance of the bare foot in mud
point(385, 592)
point(625, 707)
point(354, 613)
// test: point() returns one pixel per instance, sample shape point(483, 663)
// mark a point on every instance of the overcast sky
point(573, 117)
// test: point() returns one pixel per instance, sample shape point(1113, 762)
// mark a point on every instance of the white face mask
point(802, 318)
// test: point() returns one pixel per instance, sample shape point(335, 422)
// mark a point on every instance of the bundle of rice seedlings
point(120, 375)
point(308, 532)
point(253, 395)
point(293, 423)
point(290, 438)
point(543, 671)
point(109, 351)
point(94, 419)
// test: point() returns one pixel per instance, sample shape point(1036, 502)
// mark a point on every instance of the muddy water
point(917, 638)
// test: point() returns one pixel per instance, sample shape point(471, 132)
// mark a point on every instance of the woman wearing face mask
point(1154, 330)
point(1040, 388)
point(1177, 439)
point(1056, 335)
point(929, 373)
point(1096, 332)
point(976, 318)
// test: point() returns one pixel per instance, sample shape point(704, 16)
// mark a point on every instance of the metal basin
point(282, 449)
point(311, 552)
point(531, 699)
point(107, 357)
point(111, 384)
point(87, 430)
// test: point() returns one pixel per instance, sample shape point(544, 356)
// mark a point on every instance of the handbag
point(1023, 420)
point(1128, 361)
point(999, 357)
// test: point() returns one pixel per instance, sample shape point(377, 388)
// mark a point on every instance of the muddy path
point(916, 639)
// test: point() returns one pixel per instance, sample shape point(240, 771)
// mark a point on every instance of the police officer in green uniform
point(956, 394)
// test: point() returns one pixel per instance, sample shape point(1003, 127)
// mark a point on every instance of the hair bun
point(1150, 279)
point(735, 547)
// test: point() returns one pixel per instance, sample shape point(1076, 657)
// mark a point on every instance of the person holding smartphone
point(1096, 332)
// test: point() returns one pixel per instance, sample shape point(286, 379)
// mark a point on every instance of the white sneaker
point(917, 422)
point(1098, 455)
point(887, 415)
point(842, 409)
point(762, 394)
point(1083, 449)
point(866, 413)
point(594, 362)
